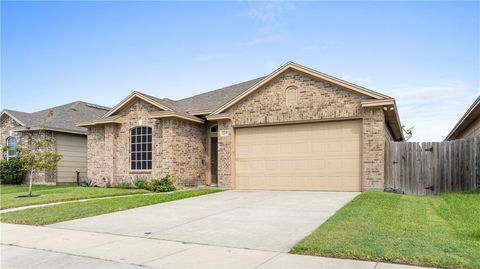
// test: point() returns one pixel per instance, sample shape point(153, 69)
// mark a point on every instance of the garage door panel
point(317, 156)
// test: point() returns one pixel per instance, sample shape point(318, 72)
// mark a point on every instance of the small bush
point(125, 185)
point(140, 184)
point(11, 171)
point(87, 183)
point(164, 184)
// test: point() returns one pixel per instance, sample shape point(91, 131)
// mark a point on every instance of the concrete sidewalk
point(98, 250)
point(71, 201)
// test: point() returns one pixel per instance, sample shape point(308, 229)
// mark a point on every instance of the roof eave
point(13, 117)
point(221, 116)
point(60, 130)
point(393, 120)
point(173, 114)
point(465, 120)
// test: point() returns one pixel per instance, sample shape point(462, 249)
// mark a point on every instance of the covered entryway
point(322, 156)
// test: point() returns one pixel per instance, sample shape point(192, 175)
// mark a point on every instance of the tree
point(39, 157)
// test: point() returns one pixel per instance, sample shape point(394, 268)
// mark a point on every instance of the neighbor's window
point(141, 148)
point(214, 129)
point(11, 147)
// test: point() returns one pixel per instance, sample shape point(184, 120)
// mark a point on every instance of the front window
point(141, 148)
point(11, 147)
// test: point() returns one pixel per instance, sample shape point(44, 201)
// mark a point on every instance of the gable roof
point(216, 101)
point(62, 118)
point(301, 68)
point(157, 102)
point(471, 115)
point(213, 103)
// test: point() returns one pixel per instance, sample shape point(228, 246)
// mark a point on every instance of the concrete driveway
point(261, 220)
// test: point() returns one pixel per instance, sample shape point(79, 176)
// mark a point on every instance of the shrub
point(125, 185)
point(87, 183)
point(11, 171)
point(161, 185)
point(140, 184)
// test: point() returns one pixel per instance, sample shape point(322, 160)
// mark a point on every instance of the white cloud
point(268, 12)
point(433, 109)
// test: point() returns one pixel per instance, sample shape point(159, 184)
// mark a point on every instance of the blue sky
point(425, 54)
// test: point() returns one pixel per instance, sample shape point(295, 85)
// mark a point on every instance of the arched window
point(11, 147)
point(141, 148)
point(214, 129)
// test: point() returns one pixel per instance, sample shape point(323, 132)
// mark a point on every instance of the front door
point(214, 160)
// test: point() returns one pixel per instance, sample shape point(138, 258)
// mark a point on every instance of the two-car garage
point(323, 156)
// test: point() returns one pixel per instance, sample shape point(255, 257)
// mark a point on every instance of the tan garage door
point(316, 156)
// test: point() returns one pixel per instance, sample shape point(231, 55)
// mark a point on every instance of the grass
point(439, 231)
point(75, 210)
point(51, 193)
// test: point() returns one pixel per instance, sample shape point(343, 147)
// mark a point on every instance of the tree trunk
point(30, 184)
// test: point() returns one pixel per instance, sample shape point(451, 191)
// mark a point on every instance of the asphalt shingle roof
point(64, 117)
point(209, 101)
point(213, 100)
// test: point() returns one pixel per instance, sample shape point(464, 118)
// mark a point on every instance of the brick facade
point(316, 100)
point(373, 149)
point(178, 149)
point(25, 139)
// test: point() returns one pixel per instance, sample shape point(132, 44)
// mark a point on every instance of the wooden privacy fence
point(432, 167)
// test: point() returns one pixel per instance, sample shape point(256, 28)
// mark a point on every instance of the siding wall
point(471, 131)
point(73, 149)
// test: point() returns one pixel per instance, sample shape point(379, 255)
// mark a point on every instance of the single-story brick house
point(20, 129)
point(295, 129)
point(469, 125)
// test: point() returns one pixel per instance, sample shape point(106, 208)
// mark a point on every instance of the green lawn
point(441, 231)
point(50, 194)
point(76, 210)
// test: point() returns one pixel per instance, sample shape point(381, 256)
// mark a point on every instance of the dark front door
point(214, 160)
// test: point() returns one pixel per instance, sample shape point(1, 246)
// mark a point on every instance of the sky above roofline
point(424, 54)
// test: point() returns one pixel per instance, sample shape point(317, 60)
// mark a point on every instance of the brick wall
point(178, 149)
point(225, 158)
point(315, 100)
point(373, 149)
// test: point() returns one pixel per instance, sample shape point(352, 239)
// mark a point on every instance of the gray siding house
point(21, 129)
point(469, 125)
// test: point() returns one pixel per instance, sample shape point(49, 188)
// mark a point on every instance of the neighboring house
point(468, 125)
point(21, 129)
point(295, 129)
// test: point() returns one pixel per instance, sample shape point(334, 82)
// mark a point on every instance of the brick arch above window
point(291, 96)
